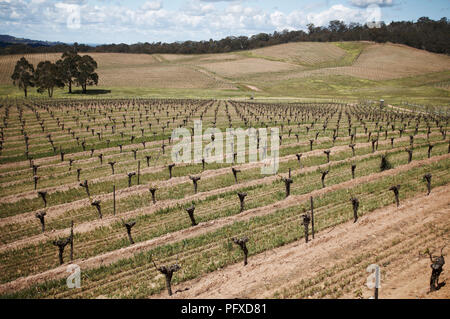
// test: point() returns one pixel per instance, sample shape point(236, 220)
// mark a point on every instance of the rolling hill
point(350, 69)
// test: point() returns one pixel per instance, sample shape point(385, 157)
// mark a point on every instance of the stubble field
point(341, 70)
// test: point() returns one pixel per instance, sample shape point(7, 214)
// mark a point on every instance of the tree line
point(71, 69)
point(425, 33)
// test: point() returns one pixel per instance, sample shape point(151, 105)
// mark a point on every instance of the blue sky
point(120, 21)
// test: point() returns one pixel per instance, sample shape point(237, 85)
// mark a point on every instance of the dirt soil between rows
point(202, 228)
point(271, 271)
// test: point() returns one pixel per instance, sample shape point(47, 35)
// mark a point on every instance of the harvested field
point(129, 70)
point(265, 66)
point(377, 62)
point(158, 77)
point(394, 61)
point(178, 57)
point(308, 53)
point(248, 66)
point(219, 57)
point(7, 63)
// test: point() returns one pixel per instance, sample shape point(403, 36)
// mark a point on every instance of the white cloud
point(343, 13)
point(152, 6)
point(207, 8)
point(77, 2)
point(366, 3)
point(14, 15)
point(116, 21)
point(197, 8)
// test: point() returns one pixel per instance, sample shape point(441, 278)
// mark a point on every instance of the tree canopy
point(85, 74)
point(425, 33)
point(47, 76)
point(68, 67)
point(71, 68)
point(23, 75)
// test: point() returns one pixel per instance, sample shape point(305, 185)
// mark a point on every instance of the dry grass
point(308, 53)
point(389, 61)
point(199, 58)
point(220, 57)
point(157, 77)
point(127, 70)
point(248, 66)
point(376, 62)
point(120, 60)
point(177, 57)
point(379, 62)
point(105, 61)
point(8, 62)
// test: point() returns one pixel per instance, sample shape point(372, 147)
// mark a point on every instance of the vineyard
point(347, 70)
point(93, 183)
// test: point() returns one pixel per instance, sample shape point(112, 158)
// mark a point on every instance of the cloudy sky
point(131, 21)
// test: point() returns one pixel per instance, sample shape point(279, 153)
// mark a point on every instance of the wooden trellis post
point(71, 241)
point(114, 200)
point(312, 216)
point(139, 172)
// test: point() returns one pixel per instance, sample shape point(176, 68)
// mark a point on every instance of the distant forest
point(425, 33)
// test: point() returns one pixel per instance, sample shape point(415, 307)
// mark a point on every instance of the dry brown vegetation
point(382, 62)
point(302, 52)
point(249, 66)
point(161, 76)
point(390, 61)
point(7, 63)
point(270, 64)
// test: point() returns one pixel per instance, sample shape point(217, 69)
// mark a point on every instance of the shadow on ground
point(92, 92)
